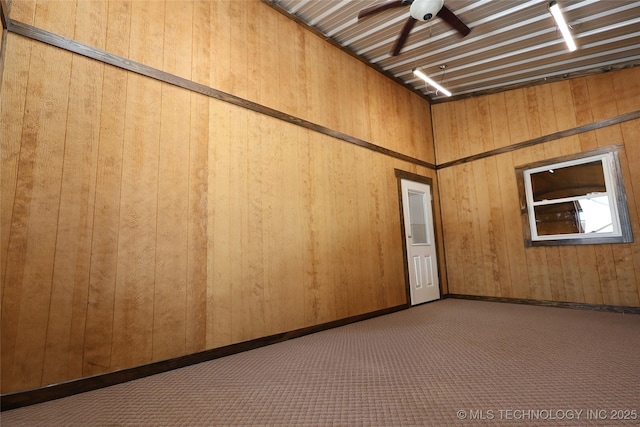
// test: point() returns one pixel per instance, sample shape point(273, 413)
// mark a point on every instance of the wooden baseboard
point(546, 303)
point(56, 391)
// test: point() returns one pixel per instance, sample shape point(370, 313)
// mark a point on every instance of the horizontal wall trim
point(546, 138)
point(73, 46)
point(57, 391)
point(547, 303)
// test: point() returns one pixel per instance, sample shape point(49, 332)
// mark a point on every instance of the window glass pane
point(559, 218)
point(417, 218)
point(595, 215)
point(570, 181)
point(579, 217)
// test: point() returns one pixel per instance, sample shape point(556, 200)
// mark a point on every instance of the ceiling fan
point(421, 10)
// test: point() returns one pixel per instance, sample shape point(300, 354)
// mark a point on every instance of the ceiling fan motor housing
point(424, 10)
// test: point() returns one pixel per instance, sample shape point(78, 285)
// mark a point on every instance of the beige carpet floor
point(448, 363)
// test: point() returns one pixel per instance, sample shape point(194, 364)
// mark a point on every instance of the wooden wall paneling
point(37, 204)
point(547, 114)
point(56, 16)
point(312, 212)
point(248, 293)
point(563, 105)
point(483, 107)
point(137, 240)
point(607, 274)
point(626, 84)
point(451, 129)
point(519, 287)
point(104, 242)
point(171, 259)
point(374, 114)
point(465, 146)
point(323, 296)
point(91, 23)
point(444, 279)
point(23, 11)
point(118, 27)
point(263, 59)
point(536, 258)
point(425, 139)
point(290, 278)
point(478, 123)
point(197, 274)
point(12, 113)
point(628, 272)
point(279, 215)
point(573, 283)
point(342, 195)
point(499, 120)
point(497, 233)
point(220, 76)
point(487, 274)
point(104, 245)
point(16, 175)
point(447, 188)
point(177, 45)
point(587, 264)
point(582, 109)
point(67, 313)
point(362, 298)
point(222, 226)
point(301, 91)
point(382, 221)
point(170, 290)
point(332, 291)
point(466, 206)
point(604, 106)
point(535, 101)
point(147, 33)
point(626, 275)
point(518, 120)
point(236, 72)
point(286, 79)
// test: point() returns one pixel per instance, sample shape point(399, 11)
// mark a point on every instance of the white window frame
point(608, 157)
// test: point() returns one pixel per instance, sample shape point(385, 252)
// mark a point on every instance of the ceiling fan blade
point(402, 38)
point(382, 7)
point(455, 22)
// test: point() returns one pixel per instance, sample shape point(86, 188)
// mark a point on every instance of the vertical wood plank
point(170, 297)
point(607, 274)
point(37, 204)
point(137, 240)
point(171, 259)
point(197, 275)
point(67, 314)
point(104, 246)
point(589, 274)
point(221, 228)
point(12, 113)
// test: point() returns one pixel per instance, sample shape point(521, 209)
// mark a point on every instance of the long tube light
point(418, 73)
point(562, 25)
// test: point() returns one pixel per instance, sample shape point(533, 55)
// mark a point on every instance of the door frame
point(400, 175)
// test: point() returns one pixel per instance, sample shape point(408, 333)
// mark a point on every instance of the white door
point(421, 245)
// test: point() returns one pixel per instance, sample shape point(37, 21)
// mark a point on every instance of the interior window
point(576, 200)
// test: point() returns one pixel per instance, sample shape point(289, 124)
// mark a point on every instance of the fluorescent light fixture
point(418, 73)
point(562, 24)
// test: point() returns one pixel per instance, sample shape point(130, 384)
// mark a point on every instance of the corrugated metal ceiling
point(512, 42)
